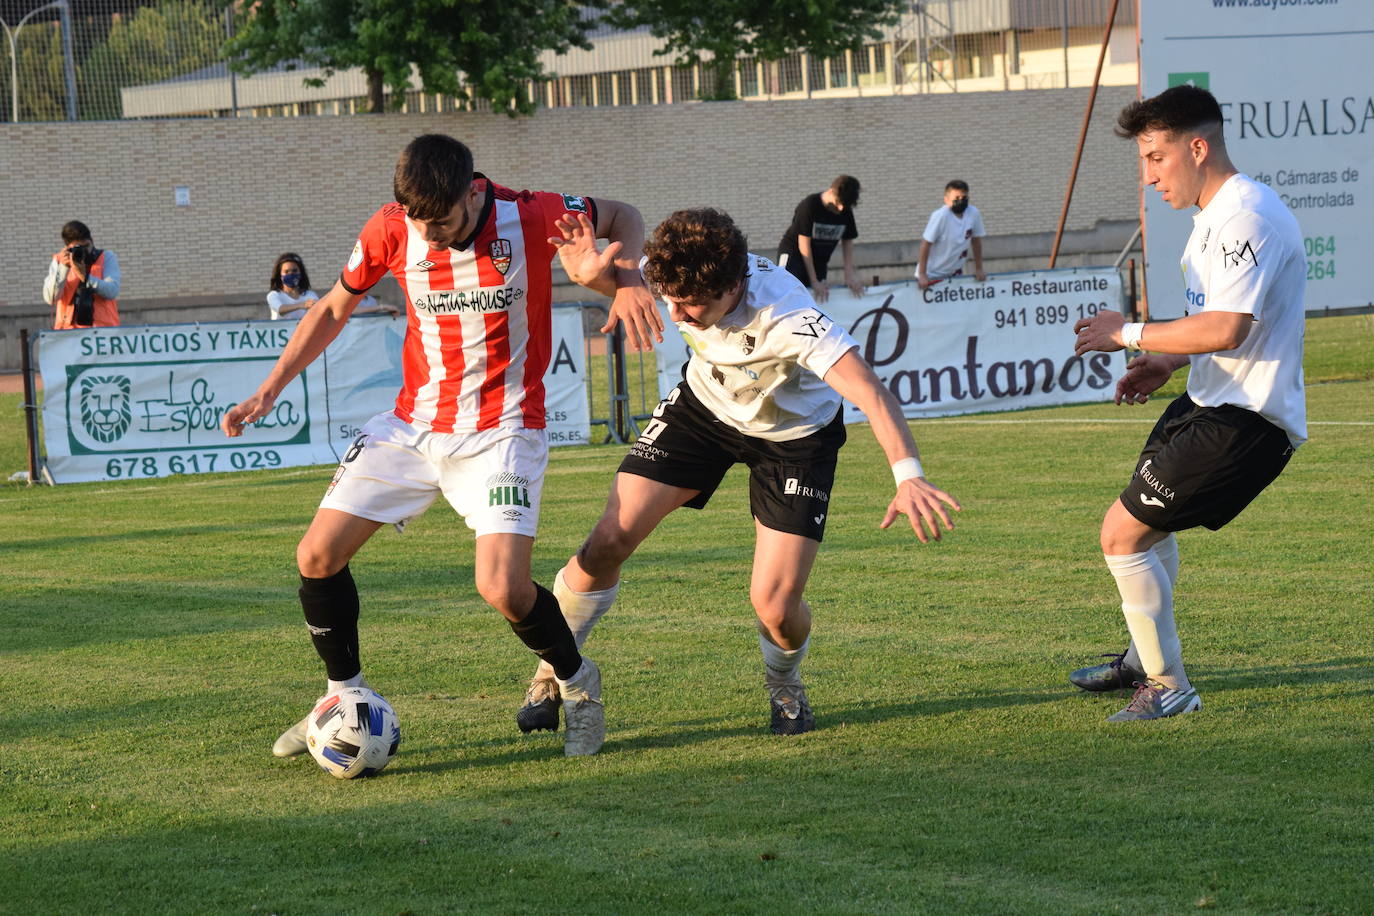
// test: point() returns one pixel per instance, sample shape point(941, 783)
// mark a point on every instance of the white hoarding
point(137, 402)
point(1293, 80)
point(963, 346)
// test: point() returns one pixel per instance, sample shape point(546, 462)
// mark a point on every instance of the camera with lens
point(79, 254)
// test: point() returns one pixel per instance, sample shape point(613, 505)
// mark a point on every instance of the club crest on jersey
point(572, 202)
point(500, 255)
point(748, 344)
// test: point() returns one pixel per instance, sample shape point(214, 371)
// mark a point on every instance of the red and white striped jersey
point(478, 327)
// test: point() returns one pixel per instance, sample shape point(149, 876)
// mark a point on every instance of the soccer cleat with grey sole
point(1112, 675)
point(789, 710)
point(1155, 701)
point(292, 741)
point(540, 712)
point(584, 716)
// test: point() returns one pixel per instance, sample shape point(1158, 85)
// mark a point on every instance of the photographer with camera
point(83, 282)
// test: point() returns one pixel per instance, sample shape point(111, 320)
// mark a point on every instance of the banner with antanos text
point(963, 346)
point(142, 402)
point(1292, 79)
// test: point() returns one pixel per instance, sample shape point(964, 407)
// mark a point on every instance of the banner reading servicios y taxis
point(138, 402)
point(963, 346)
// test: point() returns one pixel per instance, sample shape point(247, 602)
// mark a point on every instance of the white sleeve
point(107, 287)
point(978, 229)
point(1245, 260)
point(52, 284)
point(932, 233)
point(817, 342)
point(274, 300)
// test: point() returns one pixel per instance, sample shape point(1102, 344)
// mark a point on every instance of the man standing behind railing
point(82, 282)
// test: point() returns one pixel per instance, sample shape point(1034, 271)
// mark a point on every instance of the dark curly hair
point(433, 173)
point(696, 254)
point(1180, 108)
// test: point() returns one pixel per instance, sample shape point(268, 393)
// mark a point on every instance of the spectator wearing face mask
point(953, 231)
point(290, 293)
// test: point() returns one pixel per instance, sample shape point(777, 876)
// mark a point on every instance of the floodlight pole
point(13, 36)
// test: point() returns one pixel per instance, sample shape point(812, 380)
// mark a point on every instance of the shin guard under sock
point(331, 614)
point(546, 632)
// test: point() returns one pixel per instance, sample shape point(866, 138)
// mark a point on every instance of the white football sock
point(1167, 551)
point(1147, 601)
point(581, 610)
point(779, 664)
point(356, 680)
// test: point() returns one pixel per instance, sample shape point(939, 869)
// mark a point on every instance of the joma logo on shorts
point(508, 496)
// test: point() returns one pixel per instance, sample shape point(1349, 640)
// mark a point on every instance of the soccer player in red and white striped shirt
point(474, 262)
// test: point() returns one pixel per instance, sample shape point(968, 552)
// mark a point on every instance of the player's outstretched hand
point(246, 411)
point(1100, 332)
point(635, 308)
point(1144, 374)
point(577, 249)
point(921, 501)
point(820, 291)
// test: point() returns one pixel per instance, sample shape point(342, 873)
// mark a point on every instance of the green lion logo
point(105, 406)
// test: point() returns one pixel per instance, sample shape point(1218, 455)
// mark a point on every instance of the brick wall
point(262, 186)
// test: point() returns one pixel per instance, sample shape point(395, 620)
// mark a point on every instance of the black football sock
point(546, 633)
point(331, 613)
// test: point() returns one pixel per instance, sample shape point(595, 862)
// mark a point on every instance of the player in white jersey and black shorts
point(474, 261)
point(1217, 447)
point(763, 388)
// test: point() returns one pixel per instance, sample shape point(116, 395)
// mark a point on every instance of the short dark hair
point(75, 231)
point(275, 282)
point(957, 184)
point(846, 188)
point(433, 173)
point(696, 254)
point(1180, 108)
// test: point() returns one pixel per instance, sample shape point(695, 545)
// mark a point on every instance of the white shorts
point(493, 478)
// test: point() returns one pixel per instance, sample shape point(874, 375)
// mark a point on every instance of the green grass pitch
point(151, 648)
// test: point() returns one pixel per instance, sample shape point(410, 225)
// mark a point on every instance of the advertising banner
point(1292, 77)
point(138, 402)
point(963, 346)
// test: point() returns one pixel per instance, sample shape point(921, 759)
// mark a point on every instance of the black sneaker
point(1112, 675)
point(791, 713)
point(540, 712)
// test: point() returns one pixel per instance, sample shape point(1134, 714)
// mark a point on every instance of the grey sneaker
point(584, 717)
point(292, 741)
point(540, 712)
point(1112, 675)
point(790, 710)
point(1155, 701)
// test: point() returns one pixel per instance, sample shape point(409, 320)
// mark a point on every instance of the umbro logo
point(1152, 501)
point(426, 264)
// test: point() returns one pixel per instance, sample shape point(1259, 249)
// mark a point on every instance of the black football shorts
point(683, 445)
point(1203, 465)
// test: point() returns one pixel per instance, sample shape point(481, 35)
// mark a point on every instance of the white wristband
point(907, 469)
point(1130, 334)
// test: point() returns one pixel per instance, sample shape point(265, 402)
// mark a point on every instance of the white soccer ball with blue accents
point(353, 732)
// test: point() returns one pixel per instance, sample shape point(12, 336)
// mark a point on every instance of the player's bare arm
point(631, 304)
point(582, 261)
point(916, 498)
point(1205, 332)
point(315, 331)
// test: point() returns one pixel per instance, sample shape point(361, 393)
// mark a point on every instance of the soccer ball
point(352, 732)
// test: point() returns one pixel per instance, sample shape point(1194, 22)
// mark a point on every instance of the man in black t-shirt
point(821, 222)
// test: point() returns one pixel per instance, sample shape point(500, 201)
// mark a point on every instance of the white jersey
point(760, 368)
point(951, 237)
point(1246, 255)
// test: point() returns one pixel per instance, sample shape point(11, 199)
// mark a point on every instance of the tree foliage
point(718, 31)
point(470, 49)
point(155, 43)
